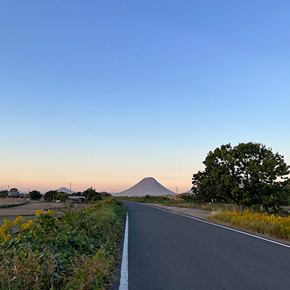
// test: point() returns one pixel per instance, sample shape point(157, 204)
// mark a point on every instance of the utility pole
point(176, 189)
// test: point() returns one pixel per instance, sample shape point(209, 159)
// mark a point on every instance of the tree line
point(90, 194)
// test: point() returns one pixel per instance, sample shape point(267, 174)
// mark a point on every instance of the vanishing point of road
point(169, 251)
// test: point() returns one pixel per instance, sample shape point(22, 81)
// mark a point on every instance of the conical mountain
point(148, 185)
point(65, 190)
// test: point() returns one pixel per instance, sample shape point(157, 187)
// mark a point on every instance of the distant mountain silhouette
point(146, 186)
point(64, 189)
point(189, 191)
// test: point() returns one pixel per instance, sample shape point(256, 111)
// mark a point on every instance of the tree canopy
point(62, 196)
point(14, 189)
point(50, 195)
point(35, 195)
point(92, 194)
point(248, 174)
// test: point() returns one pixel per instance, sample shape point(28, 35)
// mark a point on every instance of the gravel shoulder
point(203, 214)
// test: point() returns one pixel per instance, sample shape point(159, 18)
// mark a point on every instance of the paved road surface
point(167, 251)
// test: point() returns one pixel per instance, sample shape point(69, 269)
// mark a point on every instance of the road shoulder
point(198, 213)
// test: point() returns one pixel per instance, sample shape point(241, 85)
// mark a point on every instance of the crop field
point(11, 201)
point(32, 206)
point(77, 250)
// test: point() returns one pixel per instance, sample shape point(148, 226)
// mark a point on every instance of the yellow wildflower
point(5, 228)
point(19, 220)
point(7, 237)
point(27, 225)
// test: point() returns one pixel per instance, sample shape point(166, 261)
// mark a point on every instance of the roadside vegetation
point(77, 250)
point(185, 200)
point(272, 225)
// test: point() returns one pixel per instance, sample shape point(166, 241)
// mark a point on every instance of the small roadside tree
point(50, 195)
point(3, 193)
point(92, 195)
point(14, 189)
point(62, 196)
point(35, 195)
point(105, 194)
point(248, 174)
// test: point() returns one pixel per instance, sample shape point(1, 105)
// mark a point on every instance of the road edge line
point(124, 282)
point(220, 226)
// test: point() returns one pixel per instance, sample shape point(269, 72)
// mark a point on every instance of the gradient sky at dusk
point(105, 93)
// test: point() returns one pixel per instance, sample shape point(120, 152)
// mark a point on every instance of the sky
point(105, 93)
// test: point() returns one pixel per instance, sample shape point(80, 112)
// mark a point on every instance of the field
point(7, 202)
point(30, 208)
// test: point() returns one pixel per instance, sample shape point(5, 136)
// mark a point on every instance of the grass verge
point(78, 251)
point(274, 226)
point(190, 203)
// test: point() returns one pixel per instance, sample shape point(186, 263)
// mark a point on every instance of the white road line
point(220, 226)
point(124, 283)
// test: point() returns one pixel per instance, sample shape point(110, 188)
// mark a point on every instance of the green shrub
point(77, 251)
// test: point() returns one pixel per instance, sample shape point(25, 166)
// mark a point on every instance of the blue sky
point(104, 93)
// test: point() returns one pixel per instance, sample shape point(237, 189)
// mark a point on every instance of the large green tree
point(248, 174)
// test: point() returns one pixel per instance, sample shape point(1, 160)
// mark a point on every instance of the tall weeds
point(272, 225)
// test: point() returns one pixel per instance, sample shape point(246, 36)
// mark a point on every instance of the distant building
point(16, 194)
point(76, 199)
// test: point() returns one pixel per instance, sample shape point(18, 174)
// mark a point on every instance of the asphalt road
point(167, 251)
